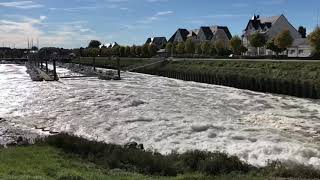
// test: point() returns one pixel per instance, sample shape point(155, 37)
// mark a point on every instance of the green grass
point(45, 162)
point(69, 157)
point(41, 162)
point(305, 71)
point(301, 79)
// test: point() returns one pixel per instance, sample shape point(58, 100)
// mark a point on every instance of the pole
point(118, 64)
point(47, 70)
point(55, 69)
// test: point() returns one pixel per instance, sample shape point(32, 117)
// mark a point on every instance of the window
point(300, 51)
point(292, 51)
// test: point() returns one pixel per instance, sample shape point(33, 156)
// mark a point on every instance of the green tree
point(243, 49)
point(93, 52)
point(94, 44)
point(105, 52)
point(115, 50)
point(273, 47)
point(314, 40)
point(152, 48)
point(283, 40)
point(34, 48)
point(122, 51)
point(213, 49)
point(133, 51)
point(145, 50)
point(138, 51)
point(235, 44)
point(205, 48)
point(189, 46)
point(127, 51)
point(180, 48)
point(169, 48)
point(257, 40)
point(220, 48)
point(303, 31)
point(198, 49)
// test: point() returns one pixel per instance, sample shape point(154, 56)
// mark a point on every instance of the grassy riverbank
point(69, 157)
point(301, 79)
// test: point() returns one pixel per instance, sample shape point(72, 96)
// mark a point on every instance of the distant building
point(180, 35)
point(109, 45)
point(205, 33)
point(270, 27)
point(159, 42)
point(300, 48)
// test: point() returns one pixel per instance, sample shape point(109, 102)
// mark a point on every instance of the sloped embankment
point(301, 79)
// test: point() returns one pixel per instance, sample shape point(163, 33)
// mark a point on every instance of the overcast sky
point(72, 23)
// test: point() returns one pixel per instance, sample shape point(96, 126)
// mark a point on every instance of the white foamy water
point(166, 114)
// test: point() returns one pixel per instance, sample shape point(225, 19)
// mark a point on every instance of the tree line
point(95, 49)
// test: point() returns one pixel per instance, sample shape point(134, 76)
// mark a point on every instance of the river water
point(166, 114)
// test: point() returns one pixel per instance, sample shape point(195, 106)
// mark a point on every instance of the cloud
point(155, 17)
point(21, 4)
point(162, 13)
point(16, 30)
point(273, 2)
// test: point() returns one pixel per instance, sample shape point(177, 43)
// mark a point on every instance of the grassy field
point(67, 157)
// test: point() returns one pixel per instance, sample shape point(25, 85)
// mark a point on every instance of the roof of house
point(271, 19)
point(262, 24)
point(149, 40)
point(193, 32)
point(109, 45)
point(156, 40)
point(207, 32)
point(184, 33)
point(300, 42)
point(214, 29)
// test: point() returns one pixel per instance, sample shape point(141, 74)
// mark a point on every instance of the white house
point(300, 48)
point(270, 27)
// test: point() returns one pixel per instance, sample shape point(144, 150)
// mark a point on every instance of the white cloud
point(16, 30)
point(21, 4)
point(162, 13)
point(155, 17)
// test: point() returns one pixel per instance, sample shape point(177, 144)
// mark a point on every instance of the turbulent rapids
point(165, 115)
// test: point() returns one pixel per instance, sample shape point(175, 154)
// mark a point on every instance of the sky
point(73, 23)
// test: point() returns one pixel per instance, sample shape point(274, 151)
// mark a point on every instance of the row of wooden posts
point(296, 88)
point(39, 62)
